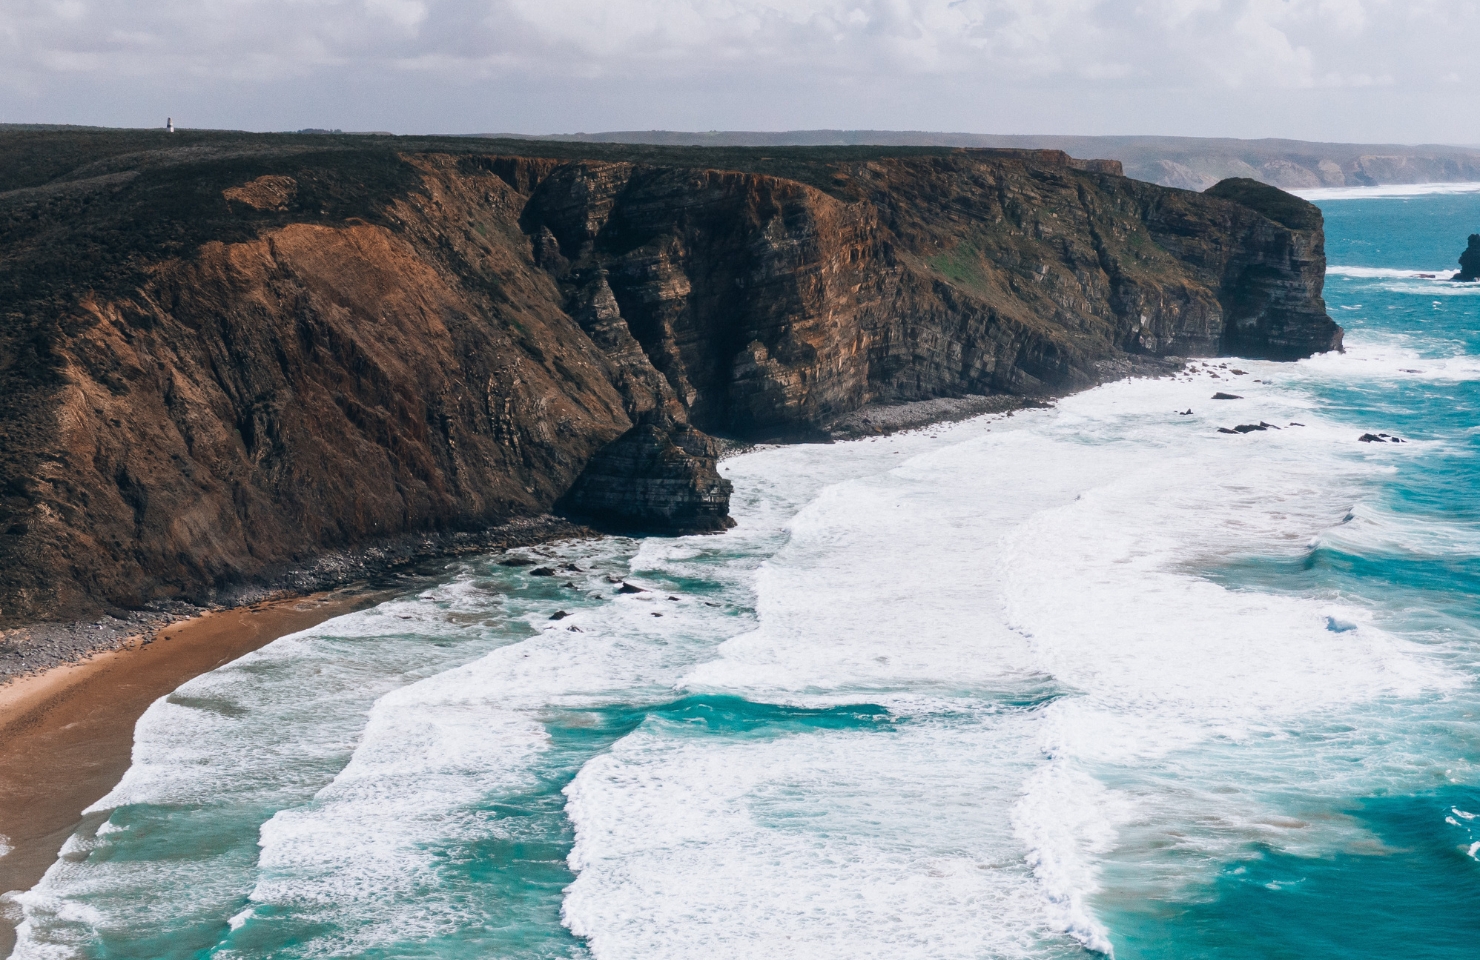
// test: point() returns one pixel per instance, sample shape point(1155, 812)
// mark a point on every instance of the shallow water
point(1096, 678)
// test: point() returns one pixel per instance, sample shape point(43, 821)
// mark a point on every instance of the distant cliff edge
point(222, 354)
point(1192, 163)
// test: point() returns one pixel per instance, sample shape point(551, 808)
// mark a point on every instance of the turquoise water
point(1095, 679)
point(1411, 890)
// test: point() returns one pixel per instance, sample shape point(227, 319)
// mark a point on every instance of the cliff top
point(36, 156)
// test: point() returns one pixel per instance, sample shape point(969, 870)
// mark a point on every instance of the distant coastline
point(1191, 163)
point(1388, 191)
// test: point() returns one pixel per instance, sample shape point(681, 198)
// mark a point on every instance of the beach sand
point(66, 735)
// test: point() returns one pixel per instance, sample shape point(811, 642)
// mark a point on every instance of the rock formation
point(1469, 261)
point(222, 355)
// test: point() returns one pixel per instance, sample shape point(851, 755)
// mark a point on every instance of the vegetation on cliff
point(221, 354)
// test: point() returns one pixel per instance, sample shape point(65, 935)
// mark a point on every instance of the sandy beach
point(66, 735)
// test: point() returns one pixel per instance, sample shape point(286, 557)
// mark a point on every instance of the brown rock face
point(657, 477)
point(218, 358)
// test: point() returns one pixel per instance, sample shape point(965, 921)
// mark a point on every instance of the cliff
point(1192, 163)
point(222, 354)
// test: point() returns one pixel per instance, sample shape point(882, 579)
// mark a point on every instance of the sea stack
point(1469, 262)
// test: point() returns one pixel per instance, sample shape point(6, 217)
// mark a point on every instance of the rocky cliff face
point(230, 355)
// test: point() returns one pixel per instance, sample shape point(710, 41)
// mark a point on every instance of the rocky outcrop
point(658, 477)
point(225, 355)
point(1272, 301)
point(1469, 261)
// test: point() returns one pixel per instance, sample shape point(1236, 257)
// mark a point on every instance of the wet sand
point(66, 735)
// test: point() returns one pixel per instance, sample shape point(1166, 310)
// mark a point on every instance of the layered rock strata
point(219, 358)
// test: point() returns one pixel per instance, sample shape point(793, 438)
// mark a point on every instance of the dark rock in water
point(542, 572)
point(575, 629)
point(1239, 372)
point(516, 562)
point(659, 477)
point(1226, 430)
point(657, 614)
point(1249, 427)
point(1185, 413)
point(631, 588)
point(559, 615)
point(1226, 396)
point(1371, 438)
point(1294, 424)
point(1469, 261)
point(1268, 426)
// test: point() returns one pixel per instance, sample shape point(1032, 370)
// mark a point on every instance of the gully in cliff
point(227, 357)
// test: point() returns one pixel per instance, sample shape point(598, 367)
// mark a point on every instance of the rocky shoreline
point(36, 648)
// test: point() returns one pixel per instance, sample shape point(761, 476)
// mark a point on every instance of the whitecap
point(1392, 191)
point(1388, 273)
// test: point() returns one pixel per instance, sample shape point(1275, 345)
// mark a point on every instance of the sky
point(1344, 70)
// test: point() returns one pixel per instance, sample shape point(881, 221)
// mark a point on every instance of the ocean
point(1095, 679)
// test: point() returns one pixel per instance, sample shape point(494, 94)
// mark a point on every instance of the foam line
point(1385, 192)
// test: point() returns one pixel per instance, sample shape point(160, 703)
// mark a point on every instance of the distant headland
point(1192, 163)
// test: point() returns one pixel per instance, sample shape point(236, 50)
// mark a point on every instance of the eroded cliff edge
point(222, 354)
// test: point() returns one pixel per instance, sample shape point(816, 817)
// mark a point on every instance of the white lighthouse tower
point(169, 124)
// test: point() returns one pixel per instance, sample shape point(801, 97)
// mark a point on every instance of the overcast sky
point(1353, 70)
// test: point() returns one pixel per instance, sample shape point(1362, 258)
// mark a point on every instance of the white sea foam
point(1438, 274)
point(1035, 601)
point(1370, 359)
point(265, 731)
point(1055, 551)
point(1392, 191)
point(362, 860)
point(826, 844)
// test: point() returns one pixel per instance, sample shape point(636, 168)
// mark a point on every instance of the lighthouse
point(169, 124)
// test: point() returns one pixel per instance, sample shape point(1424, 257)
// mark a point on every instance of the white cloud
point(407, 14)
point(1076, 65)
